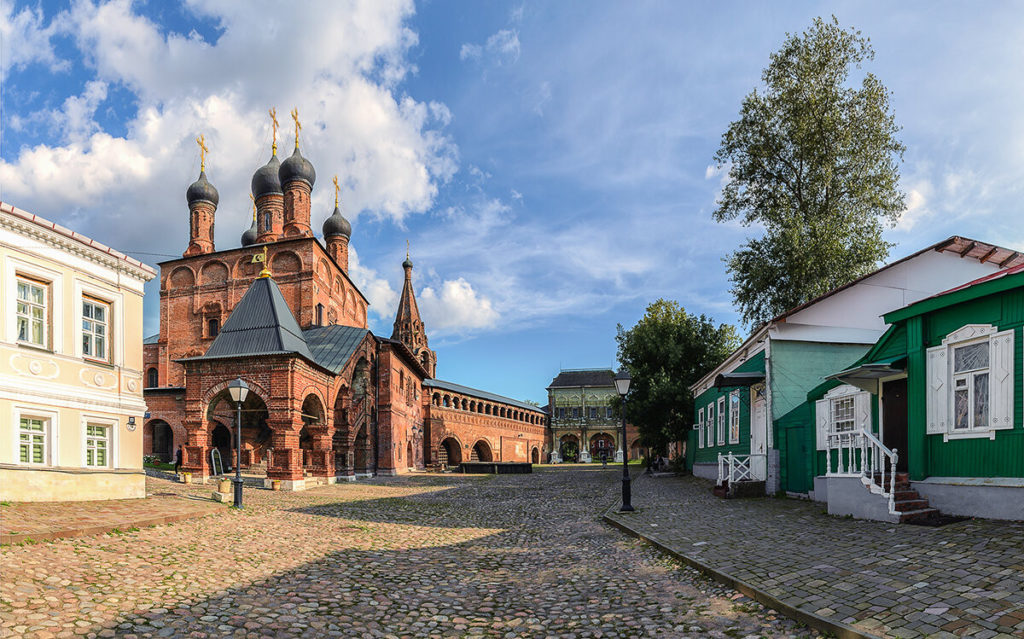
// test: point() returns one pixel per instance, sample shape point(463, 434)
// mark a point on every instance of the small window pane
point(961, 409)
point(971, 357)
point(981, 400)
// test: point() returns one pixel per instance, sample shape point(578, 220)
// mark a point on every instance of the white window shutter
point(937, 390)
point(700, 428)
point(862, 411)
point(821, 408)
point(1001, 380)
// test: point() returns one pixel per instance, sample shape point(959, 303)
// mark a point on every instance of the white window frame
point(825, 414)
point(941, 382)
point(710, 417)
point(734, 417)
point(700, 428)
point(46, 305)
point(51, 439)
point(721, 421)
point(84, 291)
point(13, 268)
point(106, 323)
point(113, 439)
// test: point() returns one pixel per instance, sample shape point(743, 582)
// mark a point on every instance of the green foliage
point(666, 352)
point(815, 160)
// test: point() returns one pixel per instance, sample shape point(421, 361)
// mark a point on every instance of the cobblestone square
point(421, 555)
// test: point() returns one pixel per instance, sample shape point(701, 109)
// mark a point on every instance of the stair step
point(911, 505)
point(903, 495)
point(923, 513)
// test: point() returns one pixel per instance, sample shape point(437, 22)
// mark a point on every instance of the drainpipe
point(376, 403)
point(770, 425)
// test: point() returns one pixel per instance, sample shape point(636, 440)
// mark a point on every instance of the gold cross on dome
point(253, 208)
point(274, 125)
point(407, 249)
point(201, 141)
point(298, 125)
point(336, 190)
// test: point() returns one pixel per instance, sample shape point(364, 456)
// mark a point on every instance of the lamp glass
point(238, 390)
point(622, 382)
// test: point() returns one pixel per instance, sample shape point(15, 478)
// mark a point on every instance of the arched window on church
point(319, 315)
point(152, 378)
point(212, 327)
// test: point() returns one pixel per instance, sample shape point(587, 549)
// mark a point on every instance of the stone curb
point(840, 630)
point(7, 539)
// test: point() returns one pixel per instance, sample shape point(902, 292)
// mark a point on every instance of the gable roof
point(574, 378)
point(474, 392)
point(993, 283)
point(965, 247)
point(332, 346)
point(261, 324)
point(152, 339)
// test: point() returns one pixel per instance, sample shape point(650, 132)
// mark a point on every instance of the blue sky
point(549, 163)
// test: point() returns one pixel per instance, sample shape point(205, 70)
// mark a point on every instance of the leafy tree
point(666, 352)
point(815, 160)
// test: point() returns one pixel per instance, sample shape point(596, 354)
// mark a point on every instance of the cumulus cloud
point(390, 150)
point(916, 208)
point(383, 298)
point(26, 39)
point(500, 48)
point(456, 308)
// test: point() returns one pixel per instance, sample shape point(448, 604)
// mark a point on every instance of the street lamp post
point(622, 380)
point(238, 390)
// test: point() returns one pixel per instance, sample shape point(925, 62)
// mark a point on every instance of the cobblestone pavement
point(47, 520)
point(414, 556)
point(964, 579)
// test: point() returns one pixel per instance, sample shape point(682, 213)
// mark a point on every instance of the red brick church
point(329, 399)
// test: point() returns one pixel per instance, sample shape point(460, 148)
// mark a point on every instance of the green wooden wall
point(710, 453)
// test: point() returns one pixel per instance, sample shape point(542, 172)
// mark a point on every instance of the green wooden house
point(943, 387)
point(754, 417)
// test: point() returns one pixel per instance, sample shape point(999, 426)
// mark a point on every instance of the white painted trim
point(52, 434)
point(115, 328)
point(112, 453)
point(13, 266)
point(989, 433)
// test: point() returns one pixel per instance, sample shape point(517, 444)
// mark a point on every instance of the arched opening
point(449, 453)
point(465, 404)
point(256, 435)
point(158, 440)
point(447, 401)
point(472, 407)
point(362, 452)
point(213, 327)
point(569, 448)
point(436, 399)
point(222, 441)
point(535, 456)
point(312, 416)
point(409, 461)
point(152, 378)
point(635, 452)
point(340, 441)
point(602, 446)
point(501, 411)
point(487, 409)
point(425, 360)
point(481, 452)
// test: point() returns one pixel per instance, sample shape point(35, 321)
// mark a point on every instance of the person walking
point(604, 459)
point(177, 461)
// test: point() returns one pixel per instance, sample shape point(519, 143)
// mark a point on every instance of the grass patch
point(5, 503)
point(158, 465)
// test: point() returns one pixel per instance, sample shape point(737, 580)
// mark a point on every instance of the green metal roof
point(332, 346)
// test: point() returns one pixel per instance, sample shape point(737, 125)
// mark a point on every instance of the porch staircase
point(910, 506)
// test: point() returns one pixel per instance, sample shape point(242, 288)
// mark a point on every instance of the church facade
point(328, 399)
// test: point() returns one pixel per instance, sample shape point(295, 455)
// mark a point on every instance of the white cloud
point(501, 48)
point(916, 210)
point(713, 170)
point(25, 39)
point(383, 298)
point(389, 150)
point(456, 309)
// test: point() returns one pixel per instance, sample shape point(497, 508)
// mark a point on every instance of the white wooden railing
point(874, 460)
point(734, 468)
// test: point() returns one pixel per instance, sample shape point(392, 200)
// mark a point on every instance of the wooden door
point(894, 419)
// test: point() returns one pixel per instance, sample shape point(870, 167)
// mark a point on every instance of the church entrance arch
point(256, 434)
point(481, 452)
point(569, 448)
point(602, 446)
point(535, 456)
point(159, 440)
point(221, 440)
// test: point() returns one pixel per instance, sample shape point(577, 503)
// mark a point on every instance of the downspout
point(773, 481)
point(376, 403)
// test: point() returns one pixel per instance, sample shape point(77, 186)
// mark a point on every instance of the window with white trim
point(593, 412)
point(969, 383)
point(97, 445)
point(721, 421)
point(95, 329)
point(33, 298)
point(844, 409)
point(734, 417)
point(608, 412)
point(700, 428)
point(709, 441)
point(32, 433)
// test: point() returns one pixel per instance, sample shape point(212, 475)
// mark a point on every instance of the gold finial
point(407, 249)
point(262, 257)
point(274, 125)
point(253, 208)
point(336, 190)
point(201, 141)
point(298, 125)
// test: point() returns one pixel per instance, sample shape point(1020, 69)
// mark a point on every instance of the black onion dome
point(250, 234)
point(201, 189)
point(336, 224)
point(297, 168)
point(266, 179)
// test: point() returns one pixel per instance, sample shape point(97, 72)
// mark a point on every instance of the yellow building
point(71, 407)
